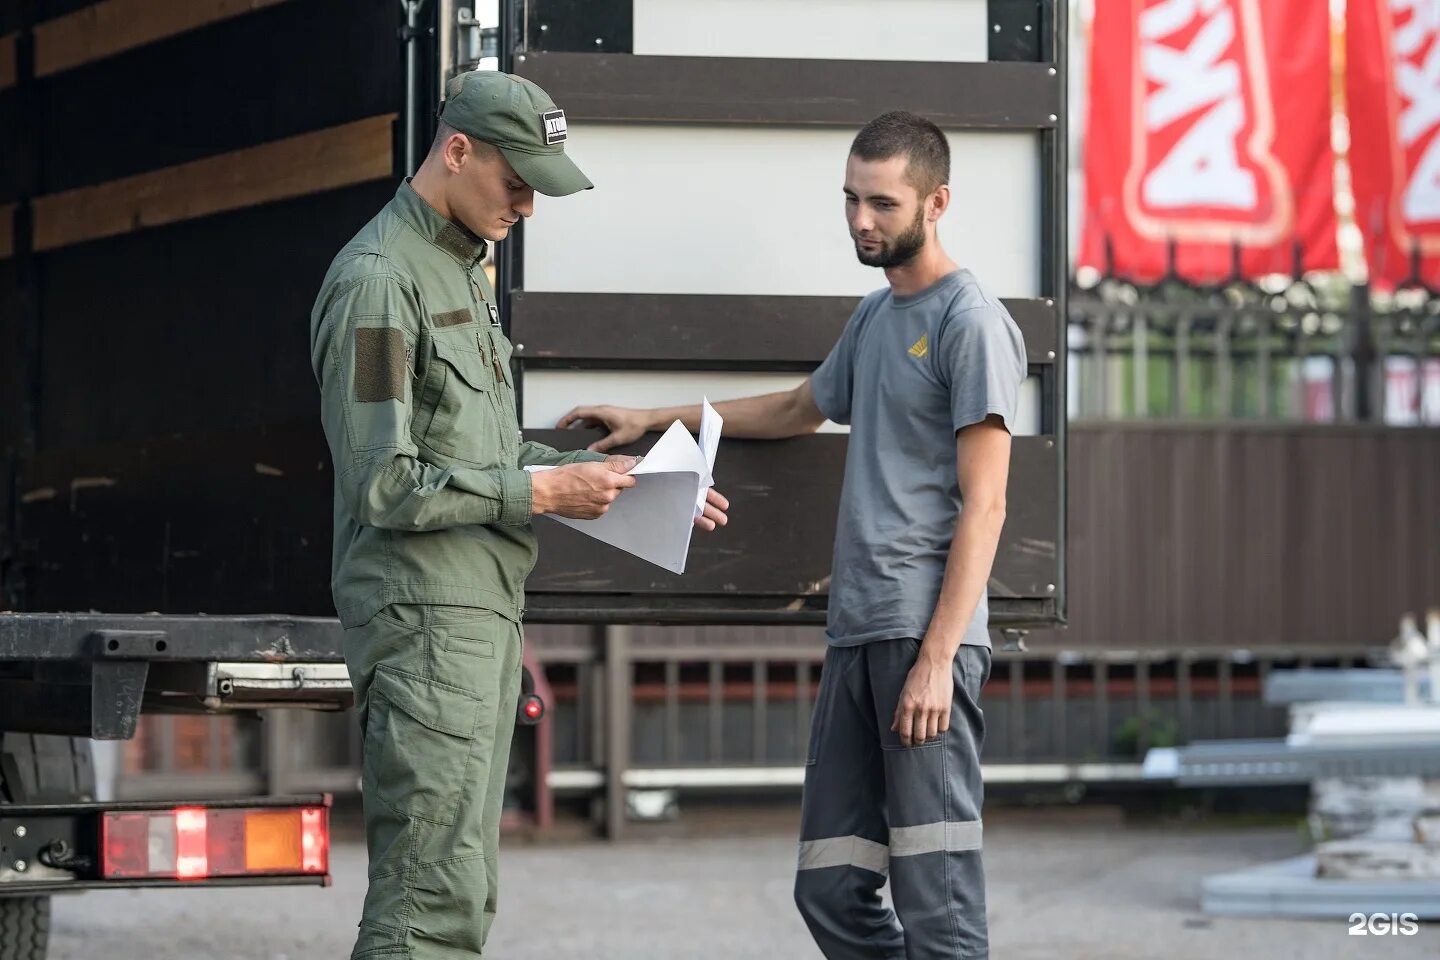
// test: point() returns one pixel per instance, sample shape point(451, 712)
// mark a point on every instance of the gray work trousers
point(873, 808)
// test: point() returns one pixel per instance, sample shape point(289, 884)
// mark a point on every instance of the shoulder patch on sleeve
point(379, 364)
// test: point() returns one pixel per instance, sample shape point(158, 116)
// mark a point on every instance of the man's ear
point(455, 150)
point(938, 202)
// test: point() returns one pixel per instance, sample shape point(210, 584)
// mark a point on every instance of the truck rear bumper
point(64, 847)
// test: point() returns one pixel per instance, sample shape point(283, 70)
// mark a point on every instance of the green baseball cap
point(519, 118)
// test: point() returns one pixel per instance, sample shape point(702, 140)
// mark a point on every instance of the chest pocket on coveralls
point(464, 425)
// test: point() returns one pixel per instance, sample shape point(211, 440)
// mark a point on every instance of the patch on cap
point(554, 123)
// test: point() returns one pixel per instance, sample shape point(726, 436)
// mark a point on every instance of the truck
point(176, 175)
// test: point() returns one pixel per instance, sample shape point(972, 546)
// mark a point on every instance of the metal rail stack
point(1368, 742)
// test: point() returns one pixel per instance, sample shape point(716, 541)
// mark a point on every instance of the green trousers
point(436, 689)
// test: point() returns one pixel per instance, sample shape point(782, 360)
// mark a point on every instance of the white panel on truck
point(939, 30)
point(760, 210)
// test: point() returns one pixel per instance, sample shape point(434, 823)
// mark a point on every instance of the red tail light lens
point(196, 843)
point(192, 858)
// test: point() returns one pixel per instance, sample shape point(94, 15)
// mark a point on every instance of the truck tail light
point(200, 843)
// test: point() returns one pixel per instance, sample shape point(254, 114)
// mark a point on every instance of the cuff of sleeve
point(590, 456)
point(972, 417)
point(822, 403)
point(516, 497)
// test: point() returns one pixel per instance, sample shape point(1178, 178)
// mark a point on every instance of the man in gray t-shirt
point(927, 374)
point(909, 372)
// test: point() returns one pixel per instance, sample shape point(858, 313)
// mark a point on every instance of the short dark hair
point(901, 133)
point(443, 132)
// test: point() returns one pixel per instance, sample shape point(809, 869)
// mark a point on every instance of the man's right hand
point(625, 425)
point(580, 491)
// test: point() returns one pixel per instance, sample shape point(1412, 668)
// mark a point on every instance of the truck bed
point(90, 675)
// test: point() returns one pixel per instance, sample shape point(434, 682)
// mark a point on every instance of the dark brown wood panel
point(1235, 536)
point(216, 339)
point(1027, 563)
point(269, 68)
point(7, 230)
point(240, 522)
point(328, 159)
point(701, 330)
point(1217, 537)
point(217, 523)
point(7, 61)
point(1039, 322)
point(847, 93)
point(111, 26)
point(784, 499)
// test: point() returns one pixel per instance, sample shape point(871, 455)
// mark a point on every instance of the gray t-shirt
point(907, 373)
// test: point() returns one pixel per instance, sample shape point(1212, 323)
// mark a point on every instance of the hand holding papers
point(655, 518)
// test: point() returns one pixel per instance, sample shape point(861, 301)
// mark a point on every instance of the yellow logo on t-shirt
point(921, 347)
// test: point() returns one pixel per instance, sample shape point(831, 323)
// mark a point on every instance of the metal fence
point(691, 709)
point(1279, 349)
point(279, 752)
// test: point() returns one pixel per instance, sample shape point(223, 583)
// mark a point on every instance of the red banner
point(1392, 88)
point(1209, 124)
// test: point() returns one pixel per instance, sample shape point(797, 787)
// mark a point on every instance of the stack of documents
point(654, 519)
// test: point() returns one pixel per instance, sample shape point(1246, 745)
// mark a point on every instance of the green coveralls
point(432, 547)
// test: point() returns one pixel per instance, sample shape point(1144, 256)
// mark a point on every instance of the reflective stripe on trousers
point(904, 842)
point(874, 810)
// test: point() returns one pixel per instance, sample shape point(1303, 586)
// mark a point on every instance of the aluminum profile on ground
point(1285, 687)
point(1242, 762)
point(1289, 888)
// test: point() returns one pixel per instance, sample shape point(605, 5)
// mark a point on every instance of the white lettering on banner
point(1189, 78)
point(1203, 167)
point(1411, 35)
point(1422, 192)
point(1417, 79)
point(1166, 18)
point(1419, 85)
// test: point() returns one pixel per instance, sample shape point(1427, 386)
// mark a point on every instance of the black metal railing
point(1314, 350)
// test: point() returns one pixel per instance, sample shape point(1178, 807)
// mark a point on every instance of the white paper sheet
point(711, 423)
point(654, 519)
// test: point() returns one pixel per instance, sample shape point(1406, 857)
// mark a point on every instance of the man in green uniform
point(433, 509)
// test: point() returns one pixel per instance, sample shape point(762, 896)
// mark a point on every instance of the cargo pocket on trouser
point(824, 704)
point(972, 672)
point(421, 731)
point(419, 737)
point(452, 886)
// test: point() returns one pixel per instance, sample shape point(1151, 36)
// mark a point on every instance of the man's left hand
point(923, 712)
point(716, 505)
point(714, 515)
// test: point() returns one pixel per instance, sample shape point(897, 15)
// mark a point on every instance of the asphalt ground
point(1076, 884)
